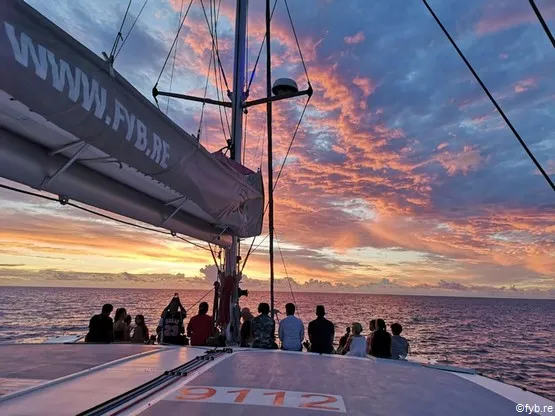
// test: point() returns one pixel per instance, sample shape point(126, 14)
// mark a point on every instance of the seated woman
point(121, 330)
point(381, 341)
point(356, 344)
point(140, 334)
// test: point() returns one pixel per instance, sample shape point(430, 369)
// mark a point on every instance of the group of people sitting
point(102, 329)
point(170, 330)
point(259, 332)
point(255, 332)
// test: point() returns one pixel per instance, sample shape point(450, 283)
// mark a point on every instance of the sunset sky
point(403, 177)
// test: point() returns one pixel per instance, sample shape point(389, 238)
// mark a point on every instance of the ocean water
point(512, 340)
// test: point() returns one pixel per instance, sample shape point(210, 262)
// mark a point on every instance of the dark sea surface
point(512, 340)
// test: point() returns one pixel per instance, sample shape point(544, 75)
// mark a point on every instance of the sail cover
point(71, 126)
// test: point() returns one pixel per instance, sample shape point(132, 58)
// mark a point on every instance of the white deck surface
point(248, 382)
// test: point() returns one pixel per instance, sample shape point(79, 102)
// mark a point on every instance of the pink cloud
point(353, 40)
point(524, 85)
point(463, 162)
point(497, 19)
point(365, 84)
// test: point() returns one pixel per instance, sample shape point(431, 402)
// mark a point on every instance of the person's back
point(170, 327)
point(356, 345)
point(321, 332)
point(200, 327)
point(101, 327)
point(399, 344)
point(291, 330)
point(381, 341)
point(357, 348)
point(263, 328)
point(121, 329)
point(343, 340)
point(246, 328)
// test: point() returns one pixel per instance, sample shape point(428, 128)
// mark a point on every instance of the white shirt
point(357, 347)
point(291, 333)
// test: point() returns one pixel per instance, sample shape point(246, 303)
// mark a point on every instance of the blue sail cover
point(60, 103)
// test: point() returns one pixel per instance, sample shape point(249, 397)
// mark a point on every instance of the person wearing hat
point(321, 333)
point(246, 328)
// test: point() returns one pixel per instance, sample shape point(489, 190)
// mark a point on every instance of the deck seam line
point(69, 377)
point(193, 375)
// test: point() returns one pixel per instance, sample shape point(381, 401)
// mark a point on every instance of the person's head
point(128, 319)
point(121, 314)
point(396, 328)
point(174, 305)
point(246, 314)
point(348, 330)
point(320, 311)
point(357, 328)
point(203, 308)
point(373, 325)
point(139, 320)
point(290, 309)
point(107, 309)
point(264, 308)
point(381, 324)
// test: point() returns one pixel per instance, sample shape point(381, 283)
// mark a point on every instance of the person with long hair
point(381, 341)
point(140, 334)
point(121, 330)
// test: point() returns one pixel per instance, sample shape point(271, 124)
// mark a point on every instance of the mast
point(270, 156)
point(238, 95)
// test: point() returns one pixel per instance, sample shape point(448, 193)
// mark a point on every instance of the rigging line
point(198, 301)
point(285, 268)
point(174, 41)
point(297, 41)
point(214, 257)
point(252, 251)
point(131, 29)
point(260, 50)
point(99, 214)
point(174, 58)
point(288, 150)
point(205, 93)
point(118, 36)
point(245, 137)
point(543, 23)
point(214, 43)
point(494, 102)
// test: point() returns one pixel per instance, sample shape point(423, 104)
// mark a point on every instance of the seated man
point(321, 333)
point(291, 330)
point(263, 328)
point(201, 326)
point(399, 344)
point(170, 328)
point(101, 326)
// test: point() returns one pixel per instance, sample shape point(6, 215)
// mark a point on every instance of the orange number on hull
point(319, 404)
point(196, 393)
point(242, 395)
point(278, 400)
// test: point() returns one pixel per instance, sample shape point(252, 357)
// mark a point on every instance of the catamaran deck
point(152, 380)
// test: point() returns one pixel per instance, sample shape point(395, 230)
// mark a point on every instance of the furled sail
point(70, 126)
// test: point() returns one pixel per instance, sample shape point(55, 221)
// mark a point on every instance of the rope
point(131, 29)
point(542, 21)
point(297, 41)
point(198, 301)
point(494, 102)
point(118, 36)
point(174, 41)
point(252, 251)
point(260, 50)
point(205, 93)
point(214, 44)
point(99, 214)
point(174, 58)
point(291, 143)
point(285, 269)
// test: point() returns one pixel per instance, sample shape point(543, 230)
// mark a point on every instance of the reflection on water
point(508, 339)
